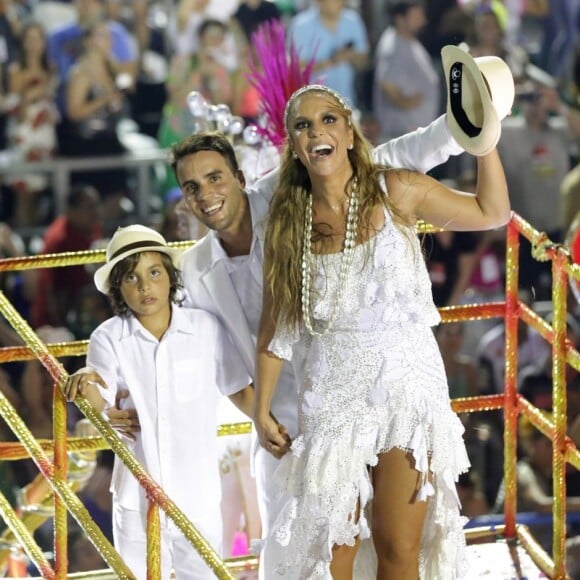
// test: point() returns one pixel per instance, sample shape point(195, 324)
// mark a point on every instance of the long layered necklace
point(345, 263)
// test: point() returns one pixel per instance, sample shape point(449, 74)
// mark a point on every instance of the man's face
point(212, 191)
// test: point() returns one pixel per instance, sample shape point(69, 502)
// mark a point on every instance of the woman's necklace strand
point(346, 261)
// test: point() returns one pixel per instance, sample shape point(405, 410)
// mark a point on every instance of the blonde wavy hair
point(285, 230)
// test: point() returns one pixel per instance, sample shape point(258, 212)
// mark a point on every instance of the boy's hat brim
point(480, 93)
point(128, 241)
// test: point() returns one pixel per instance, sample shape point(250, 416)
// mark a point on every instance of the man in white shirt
point(406, 85)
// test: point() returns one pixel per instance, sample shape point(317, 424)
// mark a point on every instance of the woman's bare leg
point(342, 563)
point(397, 519)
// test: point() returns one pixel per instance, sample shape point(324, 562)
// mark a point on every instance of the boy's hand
point(125, 421)
point(79, 381)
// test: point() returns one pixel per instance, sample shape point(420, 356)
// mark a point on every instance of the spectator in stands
point(94, 107)
point(36, 386)
point(560, 33)
point(172, 226)
point(32, 127)
point(336, 37)
point(91, 308)
point(19, 287)
point(451, 260)
point(9, 31)
point(460, 369)
point(490, 353)
point(202, 72)
point(536, 148)
point(535, 381)
point(486, 283)
point(483, 445)
point(473, 502)
point(183, 29)
point(252, 13)
point(447, 23)
point(488, 39)
point(534, 489)
point(406, 85)
point(65, 45)
point(570, 194)
point(74, 231)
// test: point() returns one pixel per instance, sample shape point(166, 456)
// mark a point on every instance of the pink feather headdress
point(275, 72)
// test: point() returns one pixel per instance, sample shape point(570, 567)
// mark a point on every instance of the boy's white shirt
point(175, 386)
point(209, 286)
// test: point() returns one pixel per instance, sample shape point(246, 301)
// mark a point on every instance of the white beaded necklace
point(346, 261)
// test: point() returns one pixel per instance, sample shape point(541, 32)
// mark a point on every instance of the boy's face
point(212, 191)
point(146, 289)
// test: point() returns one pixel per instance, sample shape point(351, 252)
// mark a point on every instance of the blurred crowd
point(90, 78)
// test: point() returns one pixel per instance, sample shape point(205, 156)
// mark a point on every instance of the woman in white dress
point(348, 299)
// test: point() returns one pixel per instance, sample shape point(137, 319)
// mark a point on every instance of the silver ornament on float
point(251, 135)
point(222, 113)
point(211, 112)
point(236, 125)
point(197, 104)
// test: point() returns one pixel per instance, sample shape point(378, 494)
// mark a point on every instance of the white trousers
point(271, 499)
point(177, 554)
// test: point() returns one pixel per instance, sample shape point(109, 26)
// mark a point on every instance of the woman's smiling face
point(320, 132)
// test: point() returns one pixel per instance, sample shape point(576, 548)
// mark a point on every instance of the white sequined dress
point(374, 383)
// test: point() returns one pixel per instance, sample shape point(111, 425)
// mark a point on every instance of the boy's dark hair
point(206, 141)
point(401, 8)
point(127, 265)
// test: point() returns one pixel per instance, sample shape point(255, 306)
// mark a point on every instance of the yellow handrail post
point(153, 542)
point(60, 473)
point(511, 370)
point(559, 296)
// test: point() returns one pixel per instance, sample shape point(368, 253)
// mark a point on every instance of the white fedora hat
point(128, 241)
point(480, 93)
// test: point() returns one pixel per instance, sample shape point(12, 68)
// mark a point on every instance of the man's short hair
point(206, 141)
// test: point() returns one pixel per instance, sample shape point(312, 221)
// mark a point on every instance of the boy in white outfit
point(174, 362)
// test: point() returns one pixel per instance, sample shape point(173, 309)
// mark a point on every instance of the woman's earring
point(350, 146)
point(294, 155)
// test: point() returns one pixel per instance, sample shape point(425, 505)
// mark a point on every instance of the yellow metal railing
point(510, 401)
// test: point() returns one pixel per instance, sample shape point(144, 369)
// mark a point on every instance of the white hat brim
point(101, 276)
point(480, 93)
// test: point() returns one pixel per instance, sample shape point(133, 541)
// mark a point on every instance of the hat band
point(455, 76)
point(135, 246)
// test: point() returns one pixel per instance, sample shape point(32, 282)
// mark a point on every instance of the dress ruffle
point(328, 480)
